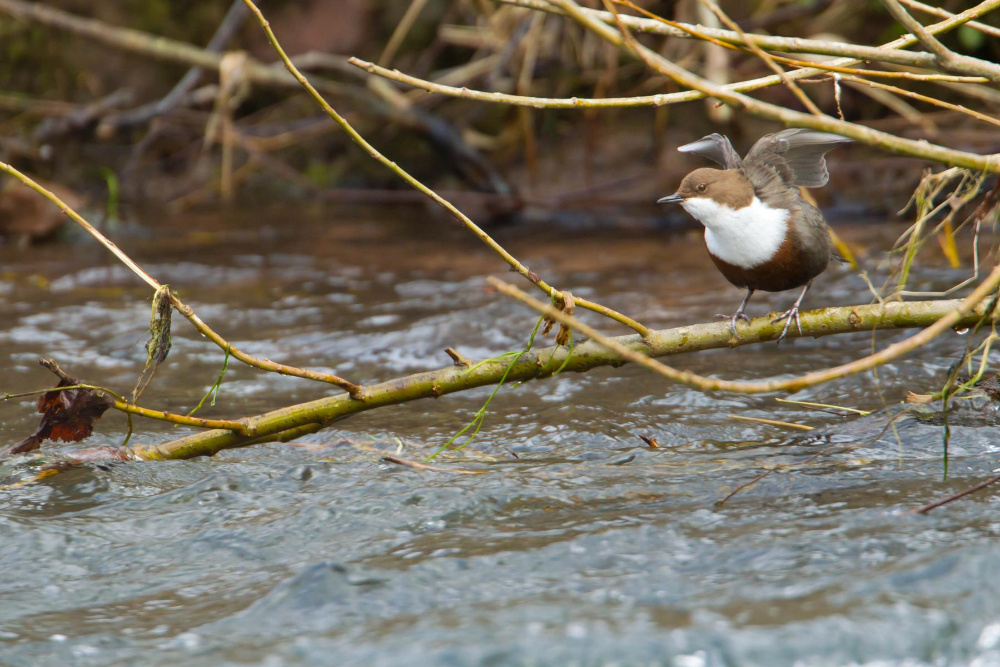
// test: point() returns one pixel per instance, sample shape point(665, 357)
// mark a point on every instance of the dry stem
point(354, 390)
point(624, 39)
point(418, 185)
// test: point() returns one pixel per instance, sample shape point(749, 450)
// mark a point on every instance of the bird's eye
point(702, 187)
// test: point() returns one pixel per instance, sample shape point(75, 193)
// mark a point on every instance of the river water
point(577, 543)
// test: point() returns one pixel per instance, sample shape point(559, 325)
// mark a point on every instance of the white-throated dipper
point(760, 232)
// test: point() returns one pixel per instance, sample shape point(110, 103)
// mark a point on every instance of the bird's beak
point(672, 199)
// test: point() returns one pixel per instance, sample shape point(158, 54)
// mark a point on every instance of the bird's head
point(727, 187)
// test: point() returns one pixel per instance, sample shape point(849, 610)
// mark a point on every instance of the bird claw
point(789, 315)
point(732, 320)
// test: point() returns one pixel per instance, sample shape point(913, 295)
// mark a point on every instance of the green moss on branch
point(297, 420)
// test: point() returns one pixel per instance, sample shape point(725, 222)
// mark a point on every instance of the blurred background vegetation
point(68, 102)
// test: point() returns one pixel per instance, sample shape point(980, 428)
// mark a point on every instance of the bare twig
point(923, 98)
point(771, 422)
point(622, 38)
point(944, 13)
point(890, 52)
point(662, 26)
point(401, 31)
point(230, 24)
point(924, 509)
point(423, 466)
point(128, 407)
point(412, 181)
point(356, 391)
point(943, 56)
point(462, 157)
point(162, 48)
point(760, 53)
point(891, 424)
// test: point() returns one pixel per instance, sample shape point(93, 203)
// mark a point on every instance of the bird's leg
point(739, 314)
point(792, 313)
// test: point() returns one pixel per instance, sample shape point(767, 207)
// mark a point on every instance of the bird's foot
point(789, 315)
point(738, 315)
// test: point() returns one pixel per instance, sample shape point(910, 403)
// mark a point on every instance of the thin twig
point(944, 13)
point(356, 391)
point(423, 466)
point(820, 406)
point(927, 40)
point(945, 57)
point(924, 509)
point(438, 199)
point(985, 289)
point(162, 48)
point(771, 422)
point(401, 31)
point(890, 52)
point(746, 485)
point(123, 405)
point(811, 69)
point(890, 425)
point(230, 24)
point(923, 98)
point(760, 53)
point(624, 39)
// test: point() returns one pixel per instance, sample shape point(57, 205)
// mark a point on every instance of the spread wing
point(716, 148)
point(796, 154)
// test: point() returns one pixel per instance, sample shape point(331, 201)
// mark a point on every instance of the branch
point(162, 48)
point(623, 39)
point(294, 421)
point(418, 185)
point(754, 45)
point(141, 115)
point(887, 53)
point(689, 32)
point(441, 135)
point(661, 99)
point(968, 305)
point(354, 390)
point(943, 56)
point(927, 40)
point(924, 509)
point(923, 98)
point(944, 13)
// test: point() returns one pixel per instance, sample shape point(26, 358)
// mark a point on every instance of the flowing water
point(577, 543)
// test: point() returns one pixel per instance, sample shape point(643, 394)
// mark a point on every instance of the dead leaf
point(67, 416)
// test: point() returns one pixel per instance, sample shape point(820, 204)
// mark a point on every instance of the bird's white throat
point(745, 237)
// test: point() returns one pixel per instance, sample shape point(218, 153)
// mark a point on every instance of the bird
point(760, 232)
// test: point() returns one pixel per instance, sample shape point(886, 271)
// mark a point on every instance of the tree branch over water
point(294, 421)
point(286, 423)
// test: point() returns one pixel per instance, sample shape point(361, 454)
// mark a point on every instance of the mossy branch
point(297, 420)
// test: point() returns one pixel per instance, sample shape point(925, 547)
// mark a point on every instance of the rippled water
point(576, 545)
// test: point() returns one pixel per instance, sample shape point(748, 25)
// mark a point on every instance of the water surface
point(577, 544)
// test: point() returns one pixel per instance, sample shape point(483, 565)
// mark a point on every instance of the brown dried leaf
point(568, 306)
point(67, 416)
